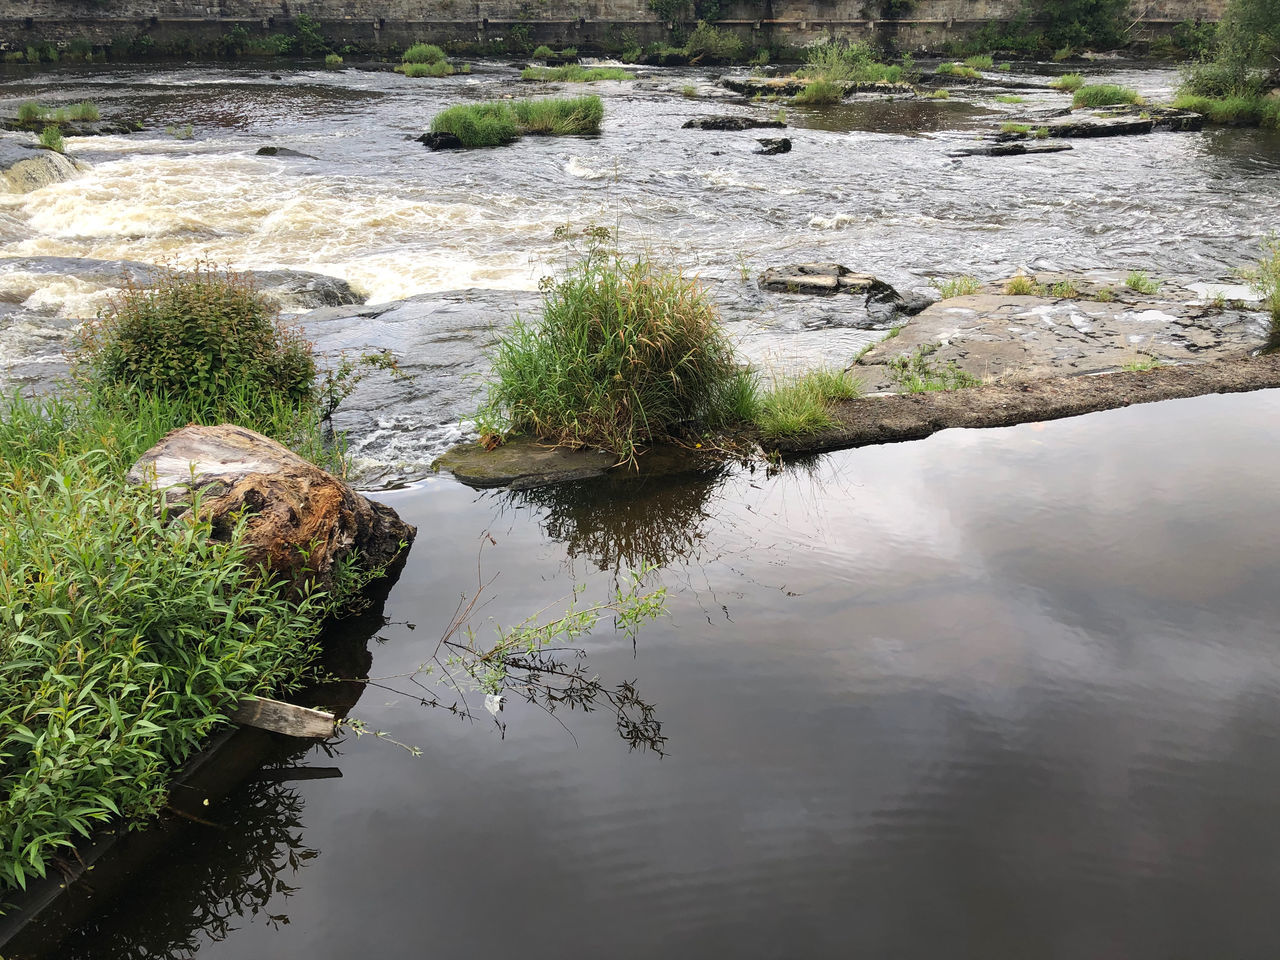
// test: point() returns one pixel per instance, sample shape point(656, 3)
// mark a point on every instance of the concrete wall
point(391, 24)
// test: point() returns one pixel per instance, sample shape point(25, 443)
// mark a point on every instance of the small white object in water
point(493, 703)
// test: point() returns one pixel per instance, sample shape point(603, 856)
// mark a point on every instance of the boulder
point(25, 167)
point(441, 141)
point(731, 123)
point(272, 151)
point(771, 146)
point(301, 523)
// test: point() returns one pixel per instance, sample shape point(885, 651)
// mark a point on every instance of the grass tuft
point(1022, 286)
point(962, 286)
point(496, 124)
point(1141, 283)
point(441, 68)
point(801, 406)
point(819, 92)
point(916, 373)
point(423, 53)
point(573, 73)
point(1068, 82)
point(1104, 95)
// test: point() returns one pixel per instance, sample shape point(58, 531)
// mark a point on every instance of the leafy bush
point(202, 333)
point(1104, 95)
point(713, 44)
point(423, 53)
point(624, 353)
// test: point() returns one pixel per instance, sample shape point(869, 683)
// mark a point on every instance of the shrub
point(1070, 82)
point(624, 353)
point(332, 60)
point(573, 73)
point(713, 44)
point(1104, 95)
point(51, 137)
point(556, 117)
point(202, 333)
point(423, 53)
point(441, 68)
point(817, 92)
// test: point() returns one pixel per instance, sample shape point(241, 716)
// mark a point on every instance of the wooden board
point(286, 718)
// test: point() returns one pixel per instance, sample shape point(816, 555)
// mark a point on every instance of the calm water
point(1000, 694)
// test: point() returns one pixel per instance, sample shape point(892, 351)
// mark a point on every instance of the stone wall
point(391, 24)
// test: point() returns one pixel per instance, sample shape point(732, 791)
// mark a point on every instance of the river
point(996, 694)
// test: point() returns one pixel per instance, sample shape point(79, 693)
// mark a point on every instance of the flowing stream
point(997, 694)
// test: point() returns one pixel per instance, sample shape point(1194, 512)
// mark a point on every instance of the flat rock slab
point(1118, 121)
point(1015, 149)
point(522, 464)
point(24, 166)
point(772, 146)
point(992, 335)
point(889, 419)
point(790, 86)
point(731, 123)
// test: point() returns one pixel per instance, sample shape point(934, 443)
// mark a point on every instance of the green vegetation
point(1141, 283)
point(1105, 295)
point(1256, 111)
point(126, 635)
point(938, 95)
point(51, 137)
point(625, 353)
point(845, 62)
point(542, 51)
point(949, 69)
point(496, 124)
point(32, 115)
point(1104, 95)
point(819, 92)
point(1022, 286)
point(688, 90)
point(983, 61)
point(1234, 84)
point(572, 73)
point(800, 406)
point(916, 373)
point(712, 45)
point(963, 286)
point(1021, 128)
point(332, 60)
point(184, 132)
point(1011, 98)
point(1265, 280)
point(1143, 361)
point(423, 53)
point(1070, 82)
point(441, 68)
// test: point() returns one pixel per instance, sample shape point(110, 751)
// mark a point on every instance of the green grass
point(423, 53)
point(688, 90)
point(1022, 128)
point(441, 68)
point(51, 137)
point(32, 114)
point(1105, 295)
point(542, 51)
point(1022, 286)
point(625, 353)
point(496, 124)
point(1064, 290)
point(1264, 277)
point(1011, 98)
point(573, 73)
point(950, 69)
point(332, 60)
point(801, 406)
point(184, 132)
point(938, 95)
point(841, 63)
point(1140, 363)
point(963, 286)
point(1234, 110)
point(916, 373)
point(1068, 82)
point(819, 92)
point(1141, 283)
point(982, 61)
point(1104, 95)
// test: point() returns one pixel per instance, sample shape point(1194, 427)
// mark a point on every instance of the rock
point(1010, 149)
point(300, 290)
point(282, 152)
point(789, 86)
point(771, 146)
point(1116, 121)
point(26, 167)
point(731, 123)
point(522, 464)
point(826, 279)
point(302, 522)
point(441, 141)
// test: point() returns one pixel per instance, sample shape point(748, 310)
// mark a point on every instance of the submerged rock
point(731, 123)
point(1015, 149)
point(25, 167)
point(282, 152)
point(300, 290)
point(790, 86)
point(823, 279)
point(302, 522)
point(441, 141)
point(772, 146)
point(522, 464)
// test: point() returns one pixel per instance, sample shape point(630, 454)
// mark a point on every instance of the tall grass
point(440, 68)
point(1234, 110)
point(819, 92)
point(423, 53)
point(624, 353)
point(843, 62)
point(1069, 82)
point(495, 124)
point(572, 73)
point(1104, 95)
point(1265, 280)
point(801, 406)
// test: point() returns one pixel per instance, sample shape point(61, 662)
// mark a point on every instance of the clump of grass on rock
point(1104, 95)
point(801, 406)
point(496, 124)
point(573, 73)
point(625, 353)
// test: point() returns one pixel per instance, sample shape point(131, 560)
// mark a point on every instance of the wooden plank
point(287, 718)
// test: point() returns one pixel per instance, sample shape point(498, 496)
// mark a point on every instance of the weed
point(1068, 82)
point(688, 90)
point(541, 52)
point(1264, 278)
point(1041, 133)
point(819, 92)
point(1011, 98)
point(951, 69)
point(840, 63)
point(1064, 290)
point(963, 286)
point(1104, 95)
point(332, 60)
point(1140, 363)
point(981, 61)
point(184, 132)
point(712, 44)
point(51, 137)
point(496, 124)
point(939, 95)
point(1105, 295)
point(441, 68)
point(572, 73)
point(478, 124)
point(799, 406)
point(559, 117)
point(780, 115)
point(1022, 285)
point(1141, 283)
point(1019, 128)
point(916, 373)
